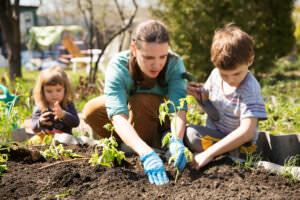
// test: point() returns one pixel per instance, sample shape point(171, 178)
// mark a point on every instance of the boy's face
point(234, 77)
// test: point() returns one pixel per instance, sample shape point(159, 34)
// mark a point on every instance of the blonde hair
point(231, 47)
point(52, 76)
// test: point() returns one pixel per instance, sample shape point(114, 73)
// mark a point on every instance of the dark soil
point(219, 180)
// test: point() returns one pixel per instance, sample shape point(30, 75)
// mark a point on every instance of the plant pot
point(277, 148)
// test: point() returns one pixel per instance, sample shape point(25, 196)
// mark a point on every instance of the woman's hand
point(58, 111)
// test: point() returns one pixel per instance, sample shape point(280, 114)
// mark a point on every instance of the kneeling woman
point(136, 83)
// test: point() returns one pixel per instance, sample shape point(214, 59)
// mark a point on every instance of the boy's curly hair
point(231, 47)
point(52, 76)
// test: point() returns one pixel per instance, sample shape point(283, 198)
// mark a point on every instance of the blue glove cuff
point(173, 139)
point(143, 158)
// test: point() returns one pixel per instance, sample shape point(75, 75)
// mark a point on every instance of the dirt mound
point(26, 179)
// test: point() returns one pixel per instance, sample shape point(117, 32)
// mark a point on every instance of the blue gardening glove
point(154, 168)
point(181, 160)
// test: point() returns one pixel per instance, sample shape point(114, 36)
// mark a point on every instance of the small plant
point(3, 159)
point(251, 161)
point(67, 192)
point(163, 112)
point(57, 151)
point(288, 166)
point(109, 150)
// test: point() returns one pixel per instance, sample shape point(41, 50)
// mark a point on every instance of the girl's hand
point(201, 159)
point(58, 111)
point(45, 119)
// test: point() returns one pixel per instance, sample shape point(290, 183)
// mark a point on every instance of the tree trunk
point(10, 27)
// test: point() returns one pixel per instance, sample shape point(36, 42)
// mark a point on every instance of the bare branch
point(114, 36)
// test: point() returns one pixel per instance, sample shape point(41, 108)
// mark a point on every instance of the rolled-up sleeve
point(115, 89)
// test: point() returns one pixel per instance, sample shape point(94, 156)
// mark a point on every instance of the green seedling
point(67, 192)
point(251, 161)
point(58, 151)
point(163, 112)
point(109, 150)
point(289, 164)
point(3, 159)
point(3, 168)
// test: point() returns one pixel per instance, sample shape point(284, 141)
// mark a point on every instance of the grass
point(289, 164)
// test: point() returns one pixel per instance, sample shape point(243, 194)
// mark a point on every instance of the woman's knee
point(94, 108)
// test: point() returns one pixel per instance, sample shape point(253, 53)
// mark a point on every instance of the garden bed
point(26, 178)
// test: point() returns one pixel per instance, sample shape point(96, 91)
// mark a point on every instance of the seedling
point(289, 164)
point(163, 112)
point(251, 161)
point(3, 159)
point(57, 151)
point(67, 192)
point(109, 150)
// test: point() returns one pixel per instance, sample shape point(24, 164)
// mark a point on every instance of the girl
point(54, 111)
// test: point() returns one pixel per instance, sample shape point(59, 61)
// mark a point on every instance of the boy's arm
point(236, 138)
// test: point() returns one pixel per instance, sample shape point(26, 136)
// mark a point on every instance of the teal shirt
point(119, 85)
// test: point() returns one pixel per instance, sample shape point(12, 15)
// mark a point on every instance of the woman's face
point(151, 57)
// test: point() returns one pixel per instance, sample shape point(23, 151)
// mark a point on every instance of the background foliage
point(192, 24)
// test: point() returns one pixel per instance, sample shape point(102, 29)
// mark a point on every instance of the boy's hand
point(45, 119)
point(194, 89)
point(58, 111)
point(201, 159)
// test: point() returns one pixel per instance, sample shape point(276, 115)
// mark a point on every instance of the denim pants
point(199, 138)
point(143, 116)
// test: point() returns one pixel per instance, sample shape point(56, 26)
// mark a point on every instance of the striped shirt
point(244, 102)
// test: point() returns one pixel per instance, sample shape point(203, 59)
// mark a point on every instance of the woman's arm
point(180, 124)
point(129, 136)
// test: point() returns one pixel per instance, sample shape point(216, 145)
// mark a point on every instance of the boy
point(235, 93)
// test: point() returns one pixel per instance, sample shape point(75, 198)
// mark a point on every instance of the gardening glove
point(154, 168)
point(178, 153)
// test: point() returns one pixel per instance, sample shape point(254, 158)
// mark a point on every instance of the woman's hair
point(51, 77)
point(231, 47)
point(151, 31)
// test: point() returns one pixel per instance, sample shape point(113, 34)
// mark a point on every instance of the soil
point(26, 179)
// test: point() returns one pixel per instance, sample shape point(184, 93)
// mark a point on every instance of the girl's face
point(54, 93)
point(151, 57)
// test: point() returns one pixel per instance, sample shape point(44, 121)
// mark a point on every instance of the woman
point(136, 83)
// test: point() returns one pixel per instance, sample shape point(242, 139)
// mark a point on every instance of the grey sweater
point(70, 121)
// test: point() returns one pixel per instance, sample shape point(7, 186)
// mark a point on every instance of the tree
point(192, 24)
point(10, 28)
point(103, 28)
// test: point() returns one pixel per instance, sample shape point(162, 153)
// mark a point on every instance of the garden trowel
point(207, 106)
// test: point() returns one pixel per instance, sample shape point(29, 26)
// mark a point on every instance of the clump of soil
point(30, 176)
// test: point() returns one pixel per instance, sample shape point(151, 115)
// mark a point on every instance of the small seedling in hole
point(57, 151)
point(163, 112)
point(67, 192)
point(109, 150)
